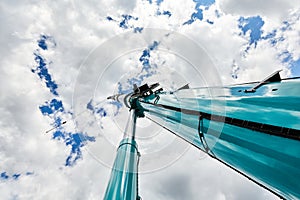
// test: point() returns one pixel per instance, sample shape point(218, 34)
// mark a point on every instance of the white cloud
point(292, 35)
point(221, 42)
point(259, 63)
point(276, 10)
point(78, 28)
point(193, 177)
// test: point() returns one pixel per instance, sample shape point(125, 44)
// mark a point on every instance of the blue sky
point(42, 57)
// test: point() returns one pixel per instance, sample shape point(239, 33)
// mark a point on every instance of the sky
point(61, 59)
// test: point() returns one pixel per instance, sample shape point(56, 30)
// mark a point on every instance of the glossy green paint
point(123, 180)
point(271, 161)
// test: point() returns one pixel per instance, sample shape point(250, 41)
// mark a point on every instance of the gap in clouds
point(142, 72)
point(147, 70)
point(252, 25)
point(276, 38)
point(124, 22)
point(54, 108)
point(4, 176)
point(200, 6)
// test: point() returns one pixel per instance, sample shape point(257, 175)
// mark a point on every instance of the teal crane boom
point(251, 128)
point(255, 132)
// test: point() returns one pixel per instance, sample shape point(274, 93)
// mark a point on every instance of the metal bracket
point(274, 77)
point(201, 134)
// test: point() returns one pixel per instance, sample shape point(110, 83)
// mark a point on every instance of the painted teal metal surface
point(123, 180)
point(270, 160)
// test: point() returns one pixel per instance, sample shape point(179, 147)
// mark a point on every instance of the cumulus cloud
point(203, 179)
point(277, 10)
point(79, 31)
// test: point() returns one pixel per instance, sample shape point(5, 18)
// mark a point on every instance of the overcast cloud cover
point(49, 50)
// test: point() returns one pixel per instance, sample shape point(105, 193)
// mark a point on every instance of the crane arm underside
point(257, 134)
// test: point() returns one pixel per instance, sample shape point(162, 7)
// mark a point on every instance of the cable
point(75, 116)
point(64, 122)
